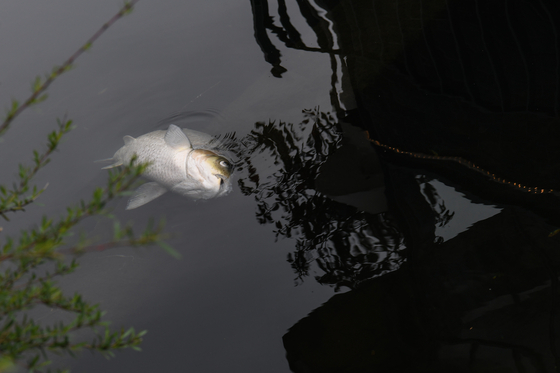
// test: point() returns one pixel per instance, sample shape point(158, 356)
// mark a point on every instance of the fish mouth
point(221, 177)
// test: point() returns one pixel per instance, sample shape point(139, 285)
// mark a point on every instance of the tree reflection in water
point(348, 245)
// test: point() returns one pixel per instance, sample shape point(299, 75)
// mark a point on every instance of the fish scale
point(166, 168)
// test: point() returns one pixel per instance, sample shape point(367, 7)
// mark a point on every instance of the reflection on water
point(322, 27)
point(440, 87)
point(445, 270)
point(190, 118)
point(455, 212)
point(346, 245)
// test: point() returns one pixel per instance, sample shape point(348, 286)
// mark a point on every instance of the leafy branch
point(21, 288)
point(10, 199)
point(26, 282)
point(47, 236)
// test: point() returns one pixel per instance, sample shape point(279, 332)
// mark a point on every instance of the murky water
point(422, 244)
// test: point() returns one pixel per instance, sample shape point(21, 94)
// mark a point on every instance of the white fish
point(179, 162)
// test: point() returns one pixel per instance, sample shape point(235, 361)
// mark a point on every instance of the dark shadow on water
point(466, 93)
point(483, 301)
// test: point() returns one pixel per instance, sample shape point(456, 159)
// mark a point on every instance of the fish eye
point(225, 164)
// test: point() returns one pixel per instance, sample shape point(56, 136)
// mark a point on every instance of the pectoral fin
point(176, 138)
point(116, 164)
point(144, 194)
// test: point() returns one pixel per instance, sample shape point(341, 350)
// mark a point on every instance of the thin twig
point(64, 67)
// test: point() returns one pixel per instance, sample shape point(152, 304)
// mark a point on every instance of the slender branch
point(39, 88)
point(118, 184)
point(21, 288)
point(10, 202)
point(40, 244)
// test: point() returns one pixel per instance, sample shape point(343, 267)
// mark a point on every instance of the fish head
point(213, 164)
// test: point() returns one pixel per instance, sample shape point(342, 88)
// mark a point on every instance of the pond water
point(385, 213)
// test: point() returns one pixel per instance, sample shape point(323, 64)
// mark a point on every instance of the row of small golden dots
point(466, 163)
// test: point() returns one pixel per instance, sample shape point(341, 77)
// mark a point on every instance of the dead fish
point(181, 161)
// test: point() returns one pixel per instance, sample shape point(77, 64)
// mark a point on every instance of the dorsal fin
point(176, 138)
point(128, 139)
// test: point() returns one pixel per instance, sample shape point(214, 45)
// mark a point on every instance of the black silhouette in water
point(466, 93)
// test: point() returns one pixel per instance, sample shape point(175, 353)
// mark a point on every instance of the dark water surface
point(425, 248)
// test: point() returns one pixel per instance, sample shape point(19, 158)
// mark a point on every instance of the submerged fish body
point(181, 161)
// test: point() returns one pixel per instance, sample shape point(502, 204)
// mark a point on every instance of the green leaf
point(171, 251)
point(6, 364)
